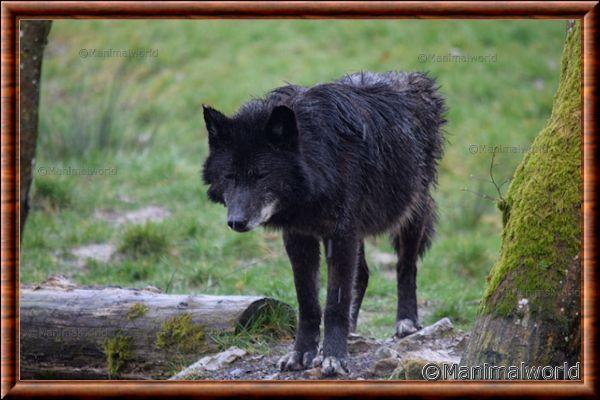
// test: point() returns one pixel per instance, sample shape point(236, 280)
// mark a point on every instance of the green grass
point(272, 323)
point(142, 117)
point(143, 241)
point(51, 194)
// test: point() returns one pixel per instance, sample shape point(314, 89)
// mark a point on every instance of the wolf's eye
point(229, 176)
point(261, 175)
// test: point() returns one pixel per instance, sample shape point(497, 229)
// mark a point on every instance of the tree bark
point(33, 39)
point(531, 311)
point(69, 332)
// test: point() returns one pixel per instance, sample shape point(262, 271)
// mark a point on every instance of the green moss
point(117, 351)
point(542, 211)
point(137, 310)
point(181, 334)
point(504, 207)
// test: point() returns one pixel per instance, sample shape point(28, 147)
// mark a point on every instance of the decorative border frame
point(12, 12)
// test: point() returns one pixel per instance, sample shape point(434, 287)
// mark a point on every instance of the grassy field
point(141, 118)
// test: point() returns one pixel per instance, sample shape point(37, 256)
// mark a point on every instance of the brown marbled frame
point(13, 11)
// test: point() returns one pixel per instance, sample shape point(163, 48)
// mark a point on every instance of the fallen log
point(70, 332)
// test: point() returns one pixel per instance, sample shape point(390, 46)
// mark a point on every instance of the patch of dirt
point(105, 252)
point(369, 359)
point(102, 252)
point(139, 216)
point(264, 367)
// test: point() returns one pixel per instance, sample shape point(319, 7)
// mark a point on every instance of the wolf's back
point(417, 97)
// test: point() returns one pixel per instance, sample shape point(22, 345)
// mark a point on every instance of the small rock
point(385, 367)
point(385, 352)
point(413, 362)
point(359, 344)
point(213, 362)
point(438, 343)
point(236, 372)
point(438, 356)
point(440, 330)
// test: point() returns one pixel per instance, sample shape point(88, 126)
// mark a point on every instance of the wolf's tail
point(413, 239)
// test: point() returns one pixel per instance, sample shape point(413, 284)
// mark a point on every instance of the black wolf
point(335, 162)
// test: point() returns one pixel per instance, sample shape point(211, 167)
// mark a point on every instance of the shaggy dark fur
point(334, 162)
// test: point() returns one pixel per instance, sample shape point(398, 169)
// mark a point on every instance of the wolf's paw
point(331, 366)
point(296, 360)
point(406, 327)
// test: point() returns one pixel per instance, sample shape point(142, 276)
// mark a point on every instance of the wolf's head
point(253, 164)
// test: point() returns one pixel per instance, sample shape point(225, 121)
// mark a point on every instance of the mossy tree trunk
point(33, 38)
point(531, 310)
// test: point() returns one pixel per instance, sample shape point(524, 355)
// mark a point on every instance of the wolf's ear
point(215, 121)
point(281, 128)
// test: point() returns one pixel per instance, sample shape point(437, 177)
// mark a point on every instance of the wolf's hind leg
point(303, 252)
point(410, 243)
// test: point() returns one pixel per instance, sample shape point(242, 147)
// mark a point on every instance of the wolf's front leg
point(303, 252)
point(342, 258)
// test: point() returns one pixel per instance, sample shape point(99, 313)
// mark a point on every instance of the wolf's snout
point(240, 210)
point(238, 225)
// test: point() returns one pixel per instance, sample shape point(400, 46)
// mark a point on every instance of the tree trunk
point(531, 310)
point(33, 38)
point(96, 333)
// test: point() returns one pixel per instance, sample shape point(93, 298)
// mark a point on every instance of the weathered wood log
point(70, 332)
point(531, 311)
